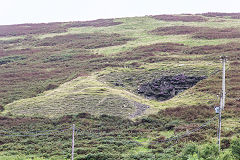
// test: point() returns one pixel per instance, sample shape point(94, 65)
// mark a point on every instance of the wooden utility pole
point(222, 102)
point(223, 80)
point(73, 130)
point(219, 124)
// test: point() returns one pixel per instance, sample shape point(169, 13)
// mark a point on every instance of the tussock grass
point(84, 94)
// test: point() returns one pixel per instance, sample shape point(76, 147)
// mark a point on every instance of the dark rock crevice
point(167, 87)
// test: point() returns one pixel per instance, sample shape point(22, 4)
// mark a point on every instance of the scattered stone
point(119, 84)
point(140, 109)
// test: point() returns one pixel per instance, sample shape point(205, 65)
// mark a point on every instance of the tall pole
point(223, 81)
point(222, 102)
point(73, 130)
point(219, 124)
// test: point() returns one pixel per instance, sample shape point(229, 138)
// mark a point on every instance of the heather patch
point(9, 59)
point(94, 23)
point(29, 29)
point(176, 30)
point(183, 18)
point(211, 49)
point(217, 33)
point(199, 32)
point(222, 15)
point(159, 47)
point(189, 113)
point(86, 41)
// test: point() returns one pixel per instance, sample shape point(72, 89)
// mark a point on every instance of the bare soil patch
point(140, 109)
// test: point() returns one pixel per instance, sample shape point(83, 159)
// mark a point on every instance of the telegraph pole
point(222, 102)
point(73, 130)
point(223, 81)
point(219, 124)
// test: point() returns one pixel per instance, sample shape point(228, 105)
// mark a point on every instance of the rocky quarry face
point(168, 86)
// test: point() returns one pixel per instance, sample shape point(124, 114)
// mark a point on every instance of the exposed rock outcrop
point(168, 86)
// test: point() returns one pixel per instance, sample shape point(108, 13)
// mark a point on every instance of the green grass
point(8, 156)
point(22, 158)
point(83, 80)
point(87, 94)
point(11, 38)
point(84, 94)
point(139, 27)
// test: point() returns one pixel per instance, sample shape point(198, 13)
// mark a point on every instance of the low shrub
point(235, 146)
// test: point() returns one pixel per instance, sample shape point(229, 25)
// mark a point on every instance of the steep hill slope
point(34, 62)
point(102, 74)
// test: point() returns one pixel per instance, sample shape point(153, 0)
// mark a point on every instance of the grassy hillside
point(89, 73)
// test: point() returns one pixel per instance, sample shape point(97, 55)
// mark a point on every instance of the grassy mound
point(84, 94)
point(50, 77)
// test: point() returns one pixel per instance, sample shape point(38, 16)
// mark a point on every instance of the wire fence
point(176, 138)
point(187, 133)
point(82, 132)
